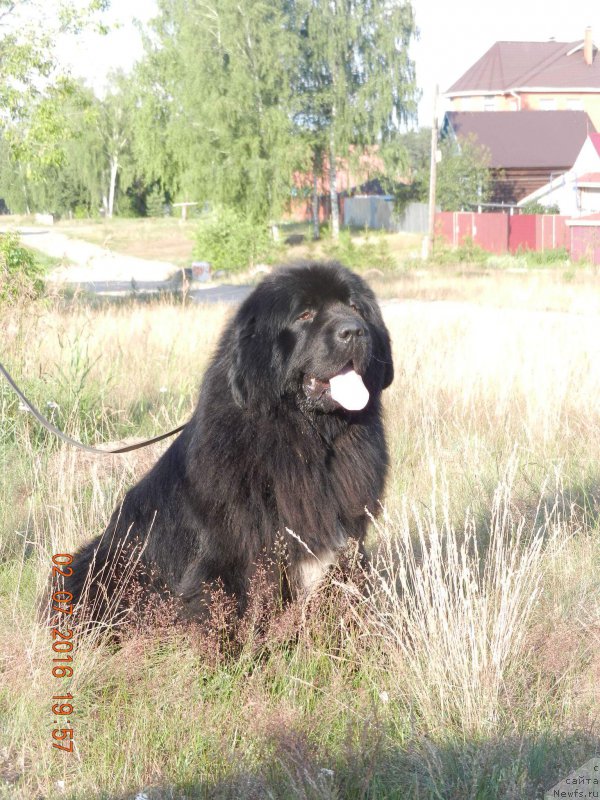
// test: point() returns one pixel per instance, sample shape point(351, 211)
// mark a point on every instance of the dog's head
point(313, 333)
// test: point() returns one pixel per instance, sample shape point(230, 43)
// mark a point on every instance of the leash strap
point(53, 429)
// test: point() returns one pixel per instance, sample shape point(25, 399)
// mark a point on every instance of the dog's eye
point(306, 315)
point(354, 307)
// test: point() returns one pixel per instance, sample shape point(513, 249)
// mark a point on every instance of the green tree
point(115, 124)
point(408, 157)
point(155, 202)
point(212, 119)
point(53, 160)
point(463, 174)
point(20, 273)
point(355, 81)
point(463, 179)
point(32, 92)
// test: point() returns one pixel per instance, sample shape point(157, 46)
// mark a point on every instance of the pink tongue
point(349, 391)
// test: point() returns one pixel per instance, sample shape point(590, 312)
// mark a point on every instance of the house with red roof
point(576, 191)
point(532, 105)
point(534, 76)
point(526, 149)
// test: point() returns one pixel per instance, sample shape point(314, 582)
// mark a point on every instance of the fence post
point(433, 174)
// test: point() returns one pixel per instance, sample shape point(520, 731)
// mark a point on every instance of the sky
point(452, 37)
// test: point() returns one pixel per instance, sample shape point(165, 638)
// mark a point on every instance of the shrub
point(20, 273)
point(547, 258)
point(538, 208)
point(373, 252)
point(155, 202)
point(467, 252)
point(231, 241)
point(81, 212)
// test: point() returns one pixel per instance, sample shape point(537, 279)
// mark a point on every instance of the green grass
point(470, 668)
point(169, 239)
point(47, 263)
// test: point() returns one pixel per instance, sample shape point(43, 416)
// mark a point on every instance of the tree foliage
point(36, 100)
point(354, 85)
point(20, 273)
point(232, 241)
point(29, 31)
point(232, 99)
point(237, 94)
point(214, 98)
point(463, 174)
point(535, 207)
point(54, 161)
point(463, 178)
point(355, 81)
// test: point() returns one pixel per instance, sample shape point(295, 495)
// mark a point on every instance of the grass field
point(170, 239)
point(472, 667)
point(164, 239)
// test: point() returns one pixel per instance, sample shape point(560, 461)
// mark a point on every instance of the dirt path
point(91, 264)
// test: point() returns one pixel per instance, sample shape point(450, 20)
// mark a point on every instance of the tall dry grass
point(463, 663)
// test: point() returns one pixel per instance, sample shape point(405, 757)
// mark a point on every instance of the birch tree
point(355, 83)
point(33, 92)
point(115, 125)
point(218, 78)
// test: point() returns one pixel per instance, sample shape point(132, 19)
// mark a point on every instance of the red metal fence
point(552, 232)
point(503, 233)
point(522, 233)
point(489, 231)
point(585, 242)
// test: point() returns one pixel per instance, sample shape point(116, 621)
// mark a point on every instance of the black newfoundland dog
point(286, 444)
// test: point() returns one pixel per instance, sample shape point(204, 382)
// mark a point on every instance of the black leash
point(53, 429)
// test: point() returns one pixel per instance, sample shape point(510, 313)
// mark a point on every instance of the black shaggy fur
point(262, 455)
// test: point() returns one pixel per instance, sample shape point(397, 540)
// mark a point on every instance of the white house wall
point(588, 159)
point(562, 190)
point(589, 200)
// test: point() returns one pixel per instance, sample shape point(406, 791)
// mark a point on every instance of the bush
point(547, 258)
point(538, 208)
point(373, 252)
point(467, 252)
point(155, 202)
point(81, 212)
point(20, 273)
point(231, 241)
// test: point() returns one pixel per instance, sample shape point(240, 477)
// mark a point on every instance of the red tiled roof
point(525, 139)
point(589, 177)
point(517, 65)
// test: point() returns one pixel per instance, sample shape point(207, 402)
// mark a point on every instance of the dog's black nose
point(349, 329)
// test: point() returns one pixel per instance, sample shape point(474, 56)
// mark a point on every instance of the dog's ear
point(385, 348)
point(240, 361)
point(250, 373)
point(383, 365)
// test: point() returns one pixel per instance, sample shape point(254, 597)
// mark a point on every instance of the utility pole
point(433, 175)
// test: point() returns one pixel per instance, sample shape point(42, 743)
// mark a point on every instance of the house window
point(548, 104)
point(575, 104)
